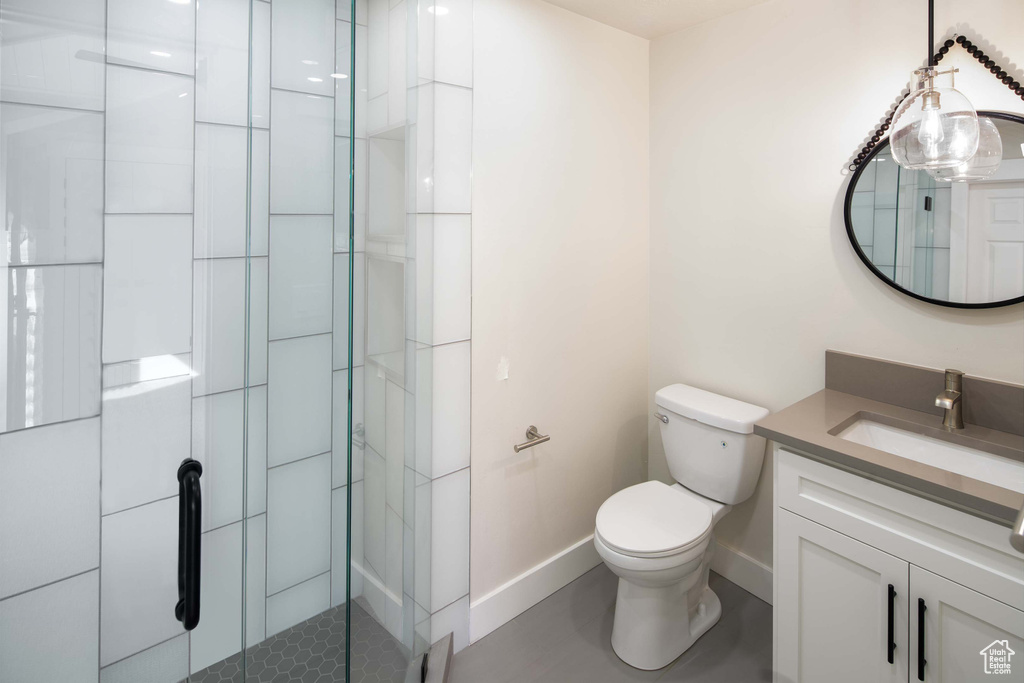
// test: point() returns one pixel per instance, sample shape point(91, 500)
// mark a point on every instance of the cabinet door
point(833, 607)
point(965, 633)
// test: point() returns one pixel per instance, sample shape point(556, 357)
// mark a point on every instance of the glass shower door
point(126, 343)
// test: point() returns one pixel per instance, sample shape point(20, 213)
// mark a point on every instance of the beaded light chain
point(972, 50)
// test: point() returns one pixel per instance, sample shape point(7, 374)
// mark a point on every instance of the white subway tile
point(163, 663)
point(218, 328)
point(149, 141)
point(398, 38)
point(260, 64)
point(394, 447)
point(297, 604)
point(299, 396)
point(373, 592)
point(256, 581)
point(217, 436)
point(53, 52)
point(50, 634)
point(452, 278)
point(147, 292)
point(298, 523)
point(52, 341)
point(422, 527)
point(393, 566)
point(145, 438)
point(453, 619)
point(377, 114)
point(303, 39)
point(219, 633)
point(453, 40)
point(259, 294)
point(53, 199)
point(49, 504)
point(300, 275)
point(373, 410)
point(222, 61)
point(302, 154)
point(220, 188)
point(453, 149)
point(422, 143)
point(386, 196)
point(449, 534)
point(450, 409)
point(256, 451)
point(259, 230)
point(373, 511)
point(139, 579)
point(152, 33)
point(339, 502)
point(377, 60)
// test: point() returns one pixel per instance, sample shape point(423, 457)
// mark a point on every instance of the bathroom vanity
point(892, 558)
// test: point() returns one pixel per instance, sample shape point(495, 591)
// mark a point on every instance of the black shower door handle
point(190, 526)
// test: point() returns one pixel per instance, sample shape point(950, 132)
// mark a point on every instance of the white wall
point(560, 225)
point(753, 117)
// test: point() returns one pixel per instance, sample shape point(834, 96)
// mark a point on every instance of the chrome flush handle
point(663, 418)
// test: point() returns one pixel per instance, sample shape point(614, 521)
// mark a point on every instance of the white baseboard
point(511, 599)
point(744, 571)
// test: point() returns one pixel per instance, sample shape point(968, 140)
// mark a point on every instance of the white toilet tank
point(709, 442)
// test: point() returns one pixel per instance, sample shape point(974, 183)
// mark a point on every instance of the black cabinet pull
point(190, 526)
point(921, 661)
point(892, 603)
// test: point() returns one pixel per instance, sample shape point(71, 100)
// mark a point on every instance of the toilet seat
point(652, 520)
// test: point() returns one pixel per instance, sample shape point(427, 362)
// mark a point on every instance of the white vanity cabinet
point(863, 569)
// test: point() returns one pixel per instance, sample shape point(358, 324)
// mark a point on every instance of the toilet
point(658, 538)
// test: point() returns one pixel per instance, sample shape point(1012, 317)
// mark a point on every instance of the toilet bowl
point(658, 539)
point(663, 603)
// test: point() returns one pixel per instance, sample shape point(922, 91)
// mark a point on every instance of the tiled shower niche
point(175, 284)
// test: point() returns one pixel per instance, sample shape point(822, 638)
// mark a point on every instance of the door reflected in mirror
point(955, 243)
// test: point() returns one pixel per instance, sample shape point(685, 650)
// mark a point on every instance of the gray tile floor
point(314, 652)
point(567, 639)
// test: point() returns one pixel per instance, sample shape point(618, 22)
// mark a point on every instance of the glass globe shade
point(984, 162)
point(935, 127)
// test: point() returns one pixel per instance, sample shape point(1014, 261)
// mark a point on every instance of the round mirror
point(955, 243)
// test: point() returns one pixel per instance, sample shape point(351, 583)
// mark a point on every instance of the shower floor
point(314, 652)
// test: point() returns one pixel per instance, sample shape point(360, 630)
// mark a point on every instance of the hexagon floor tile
point(314, 652)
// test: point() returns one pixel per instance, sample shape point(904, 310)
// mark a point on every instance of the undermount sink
point(970, 462)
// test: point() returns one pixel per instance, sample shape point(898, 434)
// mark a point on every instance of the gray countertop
point(811, 424)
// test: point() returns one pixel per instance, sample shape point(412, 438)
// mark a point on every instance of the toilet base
point(654, 625)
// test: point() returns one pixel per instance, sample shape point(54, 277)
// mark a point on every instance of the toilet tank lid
point(711, 409)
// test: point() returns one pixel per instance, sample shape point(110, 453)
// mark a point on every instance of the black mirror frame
point(884, 144)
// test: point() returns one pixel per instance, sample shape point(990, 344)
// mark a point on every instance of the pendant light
point(984, 162)
point(935, 127)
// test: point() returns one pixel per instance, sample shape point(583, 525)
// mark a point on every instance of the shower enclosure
point(220, 220)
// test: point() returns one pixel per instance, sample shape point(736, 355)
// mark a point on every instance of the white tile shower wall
point(172, 296)
point(439, 187)
point(64, 613)
point(49, 495)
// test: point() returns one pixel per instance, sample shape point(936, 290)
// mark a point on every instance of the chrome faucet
point(951, 400)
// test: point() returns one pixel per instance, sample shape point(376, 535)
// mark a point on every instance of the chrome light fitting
point(935, 127)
